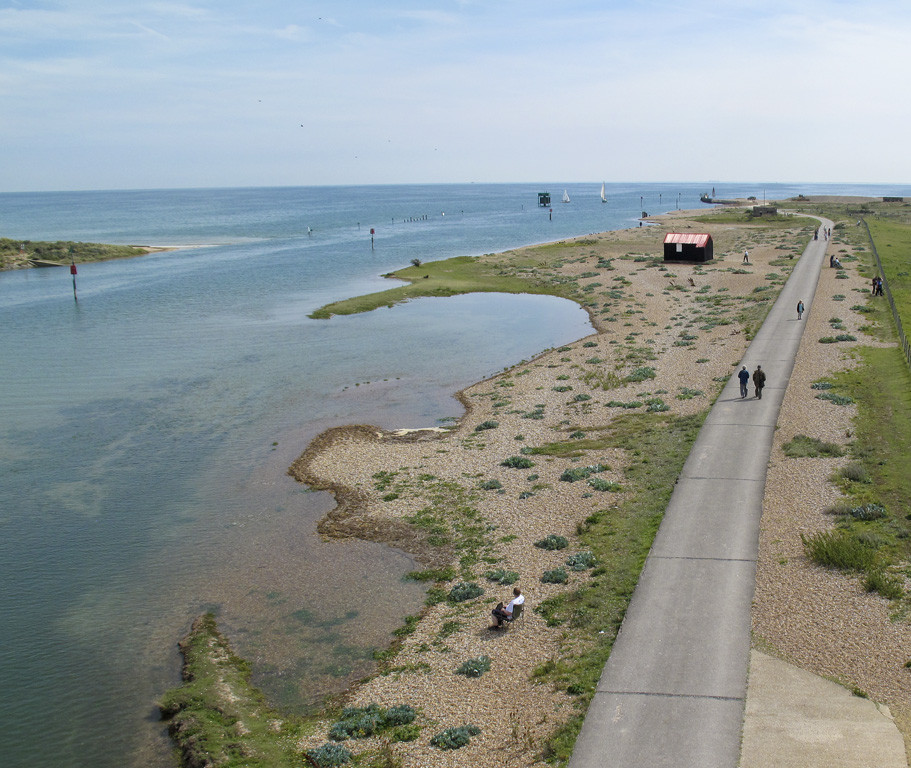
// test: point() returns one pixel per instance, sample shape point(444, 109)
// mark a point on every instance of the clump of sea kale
point(465, 590)
point(455, 738)
point(556, 576)
point(552, 541)
point(474, 667)
point(581, 473)
point(330, 755)
point(581, 561)
point(361, 722)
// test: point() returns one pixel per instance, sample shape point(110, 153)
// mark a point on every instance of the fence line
point(906, 348)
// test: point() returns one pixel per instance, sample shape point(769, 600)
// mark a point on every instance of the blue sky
point(107, 94)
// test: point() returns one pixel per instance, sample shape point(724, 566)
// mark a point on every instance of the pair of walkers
point(758, 381)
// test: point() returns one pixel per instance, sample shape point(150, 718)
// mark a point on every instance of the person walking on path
point(759, 381)
point(744, 376)
point(800, 309)
point(746, 257)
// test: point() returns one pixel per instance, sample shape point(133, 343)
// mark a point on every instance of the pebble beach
point(684, 323)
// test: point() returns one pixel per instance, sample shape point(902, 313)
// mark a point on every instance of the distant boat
point(565, 196)
point(603, 198)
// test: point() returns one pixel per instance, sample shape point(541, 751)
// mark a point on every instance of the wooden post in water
point(73, 273)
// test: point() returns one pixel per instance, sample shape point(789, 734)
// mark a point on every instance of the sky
point(129, 94)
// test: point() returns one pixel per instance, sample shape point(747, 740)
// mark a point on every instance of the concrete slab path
point(674, 688)
point(795, 719)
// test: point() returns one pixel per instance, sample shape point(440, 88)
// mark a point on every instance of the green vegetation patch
point(802, 446)
point(14, 252)
point(217, 717)
point(474, 667)
point(363, 722)
point(455, 738)
point(552, 541)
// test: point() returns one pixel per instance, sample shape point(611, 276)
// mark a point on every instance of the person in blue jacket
point(744, 376)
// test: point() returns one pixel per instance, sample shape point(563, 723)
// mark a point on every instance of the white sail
point(565, 196)
point(603, 198)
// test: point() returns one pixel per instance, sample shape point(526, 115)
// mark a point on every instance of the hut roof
point(688, 238)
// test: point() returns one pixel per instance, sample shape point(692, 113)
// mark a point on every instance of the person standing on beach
point(746, 257)
point(800, 309)
point(759, 381)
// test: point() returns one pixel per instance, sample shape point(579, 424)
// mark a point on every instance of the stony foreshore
point(685, 327)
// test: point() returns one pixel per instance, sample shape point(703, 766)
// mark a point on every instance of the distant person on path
point(744, 375)
point(759, 381)
point(504, 613)
point(746, 257)
point(800, 310)
point(879, 286)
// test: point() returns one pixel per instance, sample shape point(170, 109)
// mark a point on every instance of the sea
point(150, 409)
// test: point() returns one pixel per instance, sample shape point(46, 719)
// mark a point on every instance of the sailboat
point(565, 196)
point(603, 198)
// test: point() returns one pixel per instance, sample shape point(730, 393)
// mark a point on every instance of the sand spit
point(681, 321)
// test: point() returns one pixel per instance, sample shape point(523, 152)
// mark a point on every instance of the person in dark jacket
point(759, 381)
point(744, 375)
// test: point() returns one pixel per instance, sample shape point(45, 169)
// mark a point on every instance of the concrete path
point(795, 719)
point(674, 688)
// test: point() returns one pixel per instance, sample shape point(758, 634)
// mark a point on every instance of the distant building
point(893, 199)
point(693, 247)
point(764, 210)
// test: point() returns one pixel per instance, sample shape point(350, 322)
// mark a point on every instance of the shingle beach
point(681, 322)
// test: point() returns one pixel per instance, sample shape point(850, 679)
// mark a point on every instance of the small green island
point(24, 254)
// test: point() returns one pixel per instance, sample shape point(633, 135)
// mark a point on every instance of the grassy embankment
point(657, 443)
point(15, 254)
point(872, 535)
point(459, 275)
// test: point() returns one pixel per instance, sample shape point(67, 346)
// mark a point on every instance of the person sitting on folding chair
point(505, 613)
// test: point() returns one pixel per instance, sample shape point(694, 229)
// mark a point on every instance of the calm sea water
point(145, 431)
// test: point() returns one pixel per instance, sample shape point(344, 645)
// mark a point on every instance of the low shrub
point(888, 585)
point(474, 667)
point(581, 473)
point(556, 576)
point(361, 722)
point(400, 714)
point(552, 542)
point(465, 591)
point(838, 549)
point(501, 576)
point(517, 462)
point(868, 512)
point(600, 484)
point(855, 472)
point(329, 755)
point(834, 398)
point(581, 398)
point(455, 738)
point(641, 374)
point(822, 385)
point(581, 561)
point(489, 424)
point(490, 485)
